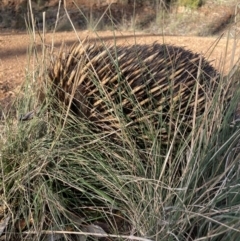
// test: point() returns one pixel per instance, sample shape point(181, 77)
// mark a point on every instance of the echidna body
point(139, 83)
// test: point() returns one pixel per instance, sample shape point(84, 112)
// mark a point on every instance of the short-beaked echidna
point(153, 83)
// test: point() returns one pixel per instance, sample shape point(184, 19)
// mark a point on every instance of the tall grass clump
point(61, 180)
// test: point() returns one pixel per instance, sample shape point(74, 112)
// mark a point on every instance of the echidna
point(115, 86)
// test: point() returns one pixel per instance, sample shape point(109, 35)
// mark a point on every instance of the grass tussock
point(60, 180)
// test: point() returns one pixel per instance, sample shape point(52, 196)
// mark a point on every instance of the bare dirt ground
point(16, 64)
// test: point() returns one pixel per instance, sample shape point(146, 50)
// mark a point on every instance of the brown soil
point(15, 65)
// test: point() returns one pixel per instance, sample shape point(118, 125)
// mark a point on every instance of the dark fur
point(140, 83)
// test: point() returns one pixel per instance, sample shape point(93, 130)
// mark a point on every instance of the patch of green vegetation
point(193, 4)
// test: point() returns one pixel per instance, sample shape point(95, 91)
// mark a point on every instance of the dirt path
point(16, 64)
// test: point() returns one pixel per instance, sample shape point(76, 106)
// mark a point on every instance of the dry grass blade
point(94, 234)
point(3, 224)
